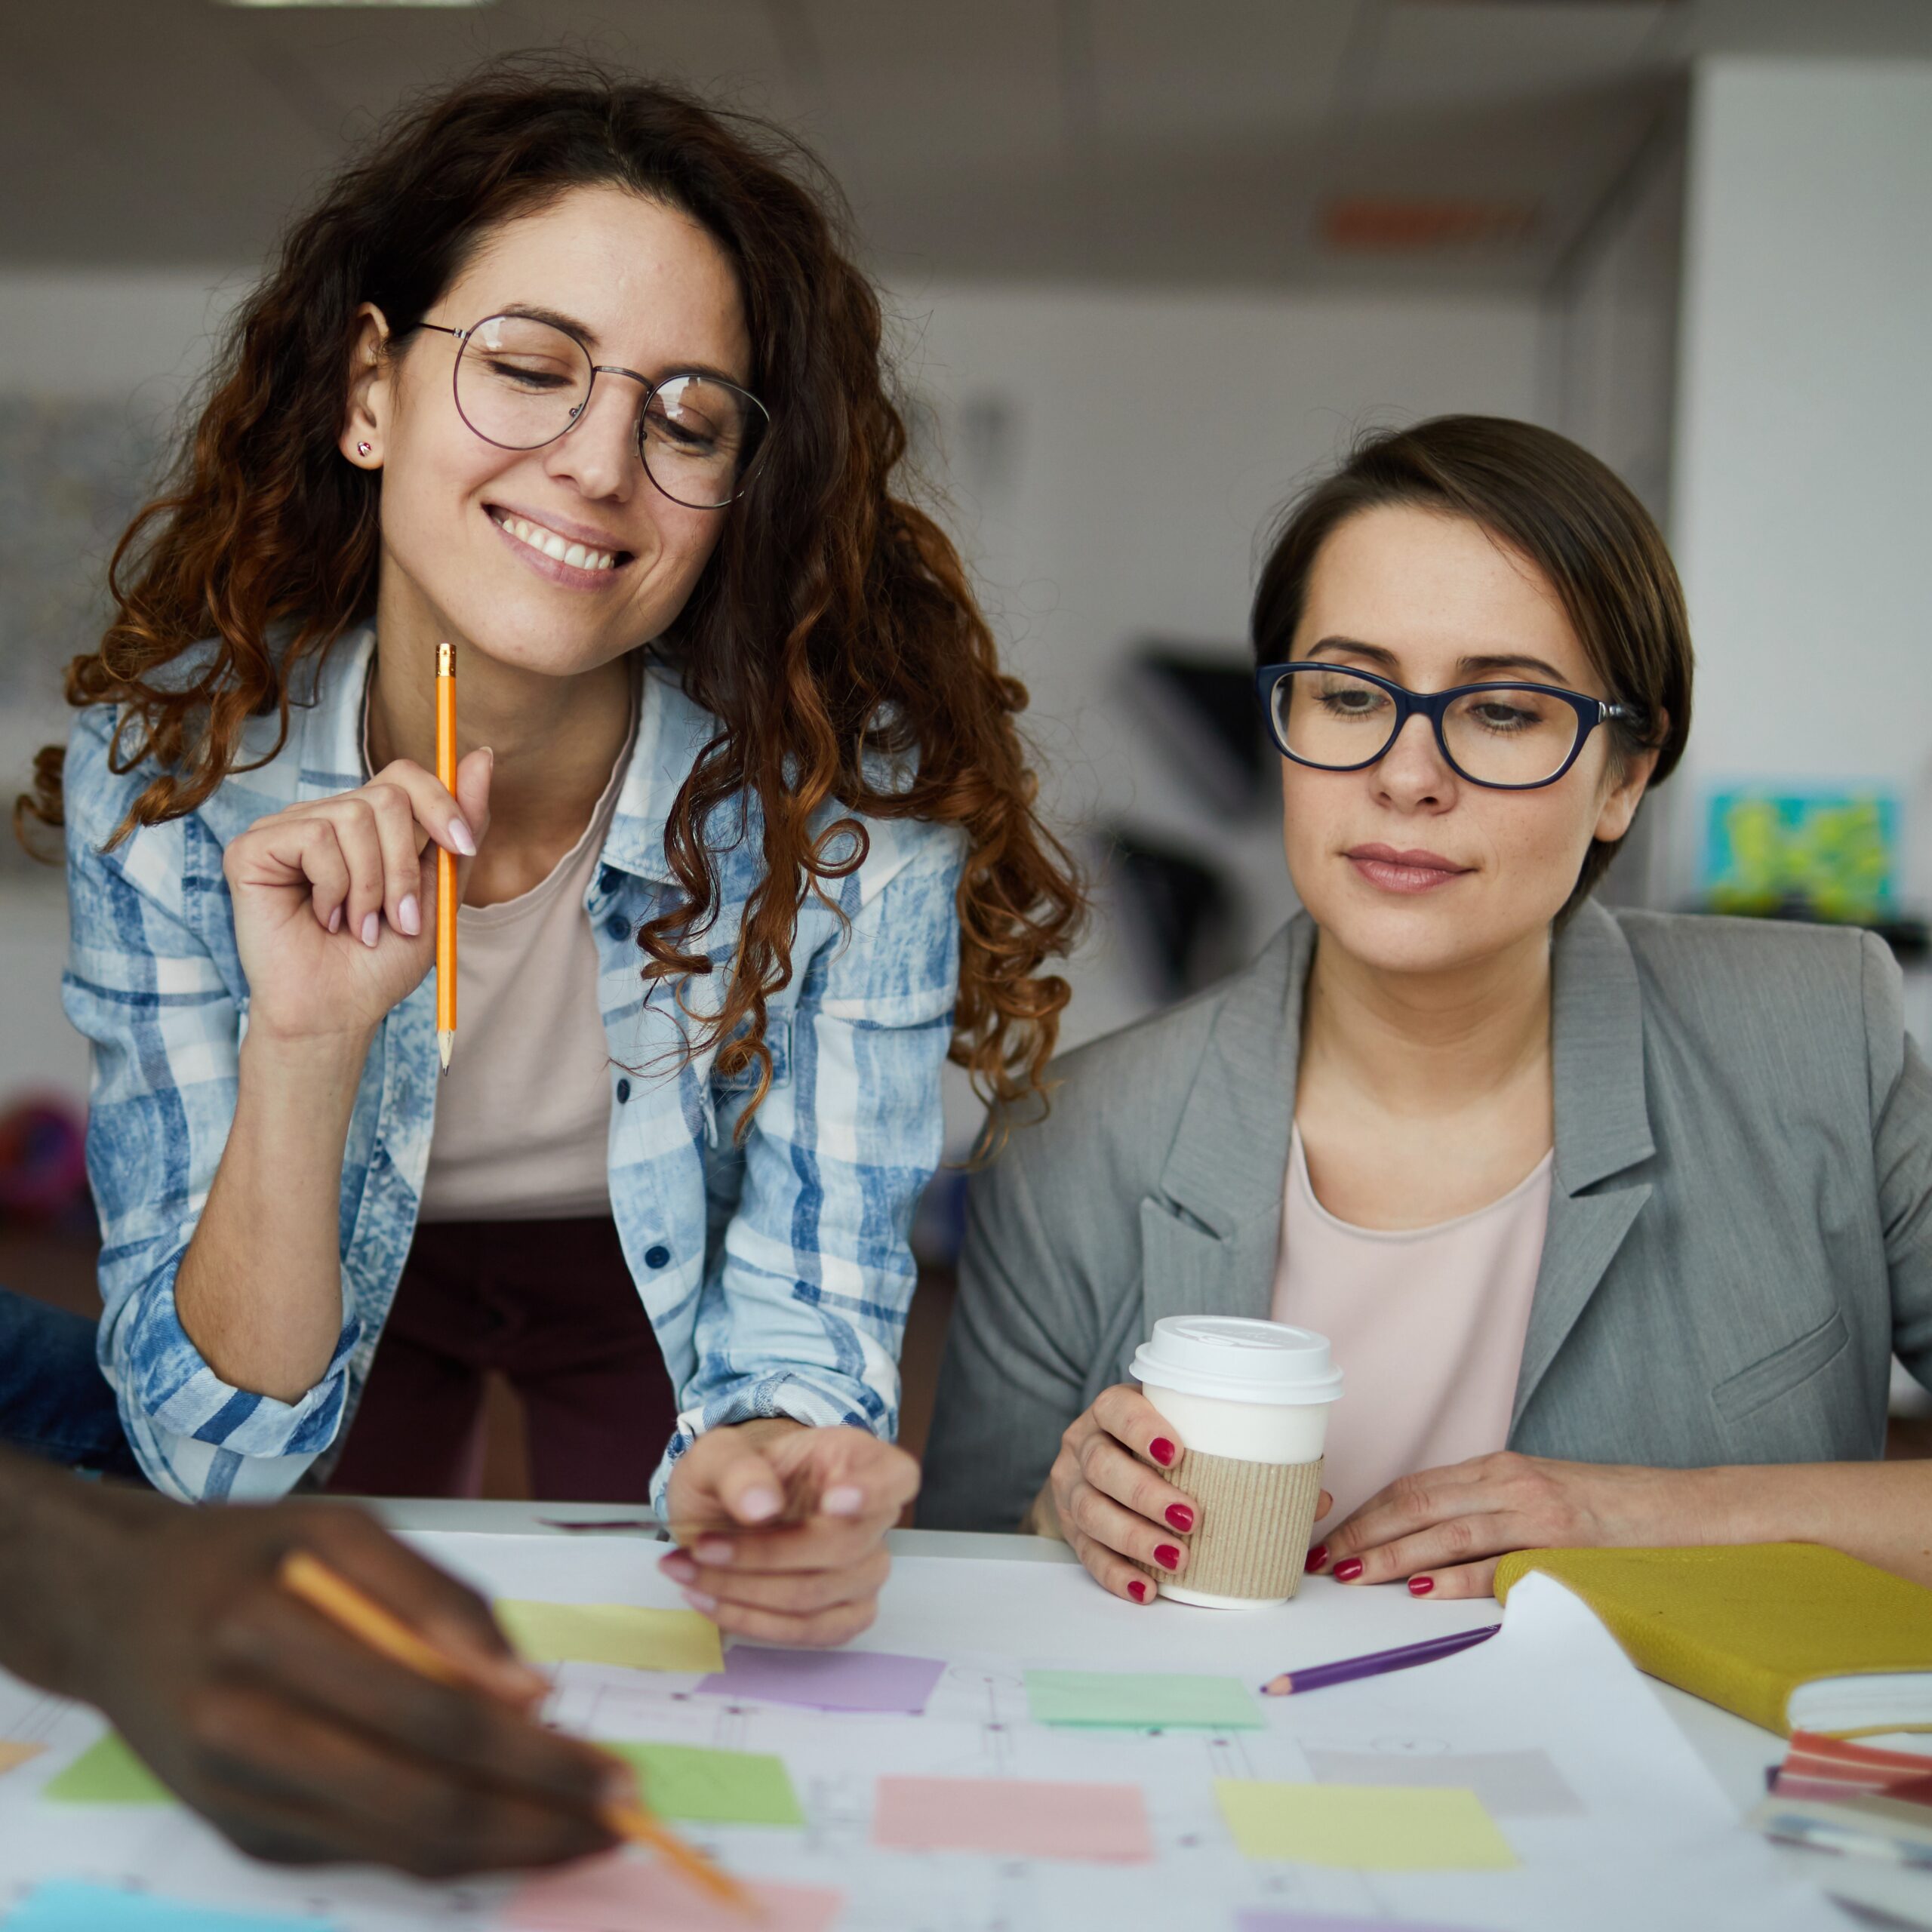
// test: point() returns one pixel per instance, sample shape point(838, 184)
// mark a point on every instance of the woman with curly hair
point(575, 374)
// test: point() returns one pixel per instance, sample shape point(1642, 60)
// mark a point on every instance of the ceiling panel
point(1217, 71)
point(1476, 56)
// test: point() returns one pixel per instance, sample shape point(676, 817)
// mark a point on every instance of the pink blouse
point(1427, 1325)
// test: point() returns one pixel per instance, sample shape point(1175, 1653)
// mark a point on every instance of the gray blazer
point(1739, 1231)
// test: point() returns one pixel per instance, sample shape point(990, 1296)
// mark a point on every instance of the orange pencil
point(353, 1609)
point(446, 896)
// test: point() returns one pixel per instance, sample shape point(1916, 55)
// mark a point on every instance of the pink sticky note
point(1015, 1817)
point(624, 1894)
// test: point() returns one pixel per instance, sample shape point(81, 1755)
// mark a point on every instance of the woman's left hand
point(783, 1528)
point(1445, 1529)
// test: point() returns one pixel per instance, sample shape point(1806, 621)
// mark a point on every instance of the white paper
point(1635, 1831)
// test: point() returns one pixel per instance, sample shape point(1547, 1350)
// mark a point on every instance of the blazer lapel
point(1603, 1129)
point(1210, 1233)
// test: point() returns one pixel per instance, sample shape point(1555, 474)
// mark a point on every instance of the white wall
point(1114, 457)
point(1802, 499)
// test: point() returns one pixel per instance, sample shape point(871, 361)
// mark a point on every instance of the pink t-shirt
point(1427, 1325)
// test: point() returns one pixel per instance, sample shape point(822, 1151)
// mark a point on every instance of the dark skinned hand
point(300, 1744)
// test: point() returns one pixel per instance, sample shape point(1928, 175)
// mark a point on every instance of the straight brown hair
point(1559, 508)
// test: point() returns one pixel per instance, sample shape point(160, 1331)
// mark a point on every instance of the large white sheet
point(1615, 1821)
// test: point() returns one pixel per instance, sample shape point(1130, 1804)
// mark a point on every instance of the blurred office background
point(1151, 263)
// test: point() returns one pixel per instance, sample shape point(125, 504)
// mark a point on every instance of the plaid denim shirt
point(776, 1272)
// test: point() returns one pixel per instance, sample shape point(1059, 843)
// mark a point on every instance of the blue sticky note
point(64, 1906)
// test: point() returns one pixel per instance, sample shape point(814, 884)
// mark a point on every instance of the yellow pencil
point(338, 1599)
point(446, 895)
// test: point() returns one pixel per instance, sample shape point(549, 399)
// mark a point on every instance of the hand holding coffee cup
point(1116, 1509)
point(1252, 1399)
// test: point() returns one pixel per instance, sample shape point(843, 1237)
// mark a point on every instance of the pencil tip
point(444, 1042)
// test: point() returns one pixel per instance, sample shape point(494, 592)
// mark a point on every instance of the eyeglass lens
point(1505, 735)
point(521, 383)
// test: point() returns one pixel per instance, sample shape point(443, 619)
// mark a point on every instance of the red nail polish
point(1163, 1451)
point(1420, 1586)
point(1347, 1570)
point(1317, 1557)
point(1166, 1556)
point(1137, 1590)
point(1181, 1516)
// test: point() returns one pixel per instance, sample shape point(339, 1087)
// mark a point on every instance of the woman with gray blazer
point(1616, 1220)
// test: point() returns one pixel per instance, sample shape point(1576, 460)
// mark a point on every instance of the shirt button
point(657, 1257)
point(617, 926)
point(623, 1094)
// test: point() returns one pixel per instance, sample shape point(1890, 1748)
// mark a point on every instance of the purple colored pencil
point(1347, 1669)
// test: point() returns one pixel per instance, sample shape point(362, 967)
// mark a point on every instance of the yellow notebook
point(1792, 1636)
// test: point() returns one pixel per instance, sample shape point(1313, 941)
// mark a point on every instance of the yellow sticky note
point(611, 1633)
point(1367, 1828)
point(12, 1753)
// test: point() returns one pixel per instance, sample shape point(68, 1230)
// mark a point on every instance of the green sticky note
point(694, 1782)
point(1140, 1701)
point(107, 1773)
point(611, 1633)
point(1367, 1828)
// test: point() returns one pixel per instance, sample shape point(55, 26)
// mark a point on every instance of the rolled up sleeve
point(164, 1020)
point(803, 1312)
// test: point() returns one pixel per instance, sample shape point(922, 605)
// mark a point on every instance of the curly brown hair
point(834, 622)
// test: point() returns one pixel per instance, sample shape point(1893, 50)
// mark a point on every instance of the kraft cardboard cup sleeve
point(1250, 1401)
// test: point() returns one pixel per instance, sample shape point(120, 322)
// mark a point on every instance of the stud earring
point(362, 449)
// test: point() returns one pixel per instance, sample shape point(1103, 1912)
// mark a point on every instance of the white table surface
point(1738, 1753)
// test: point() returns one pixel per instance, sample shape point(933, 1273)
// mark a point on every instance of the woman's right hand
point(1109, 1498)
point(334, 898)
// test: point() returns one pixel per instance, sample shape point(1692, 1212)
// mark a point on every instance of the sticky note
point(13, 1753)
point(1133, 1699)
point(1511, 1784)
point(1014, 1818)
point(66, 1907)
point(106, 1773)
point(826, 1680)
point(611, 1633)
point(625, 1894)
point(693, 1781)
point(1367, 1828)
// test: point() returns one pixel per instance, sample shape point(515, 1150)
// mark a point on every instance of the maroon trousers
point(553, 1306)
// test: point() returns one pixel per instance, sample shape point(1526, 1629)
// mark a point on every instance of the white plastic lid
point(1239, 1359)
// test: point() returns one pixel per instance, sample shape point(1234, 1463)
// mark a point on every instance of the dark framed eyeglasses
point(521, 383)
point(1510, 737)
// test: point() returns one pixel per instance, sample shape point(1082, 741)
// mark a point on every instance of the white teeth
point(576, 555)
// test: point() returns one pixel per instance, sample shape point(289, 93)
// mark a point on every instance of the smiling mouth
point(559, 549)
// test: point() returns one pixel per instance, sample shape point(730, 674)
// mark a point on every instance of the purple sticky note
point(825, 1680)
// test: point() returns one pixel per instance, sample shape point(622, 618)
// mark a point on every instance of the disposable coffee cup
point(1250, 1401)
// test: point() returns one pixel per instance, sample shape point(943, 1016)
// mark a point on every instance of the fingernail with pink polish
point(1167, 1555)
point(757, 1505)
point(372, 928)
point(463, 838)
point(1163, 1451)
point(847, 1499)
point(409, 915)
point(1180, 1516)
point(712, 1550)
point(335, 920)
point(699, 1601)
point(1420, 1586)
point(679, 1567)
point(1137, 1590)
point(1347, 1570)
point(1317, 1557)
